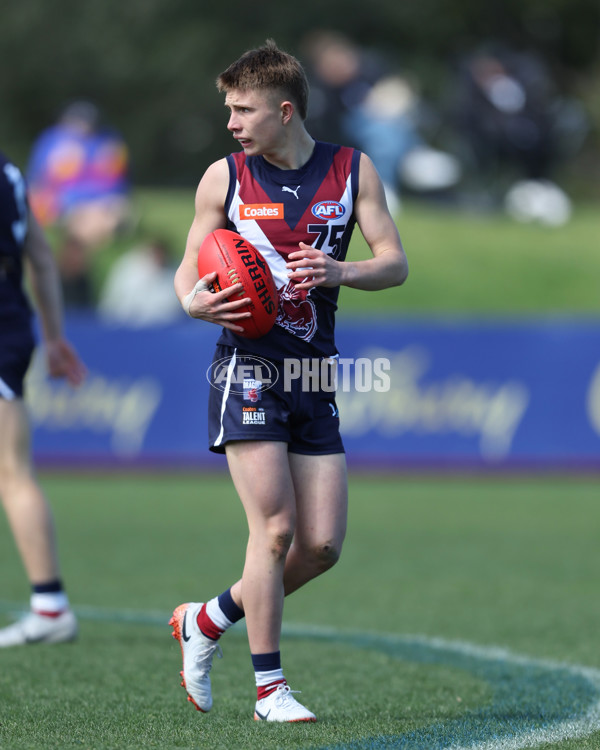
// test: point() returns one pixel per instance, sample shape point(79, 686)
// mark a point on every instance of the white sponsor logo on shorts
point(253, 416)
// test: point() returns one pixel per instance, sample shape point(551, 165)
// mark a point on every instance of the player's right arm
point(193, 292)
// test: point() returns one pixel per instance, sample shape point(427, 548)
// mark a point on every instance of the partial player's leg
point(321, 491)
point(31, 522)
point(261, 475)
point(27, 510)
point(321, 500)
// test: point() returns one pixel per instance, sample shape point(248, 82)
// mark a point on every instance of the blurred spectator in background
point(78, 176)
point(75, 277)
point(515, 129)
point(355, 99)
point(139, 288)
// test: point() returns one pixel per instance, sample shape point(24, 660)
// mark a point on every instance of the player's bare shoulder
point(212, 188)
point(371, 206)
point(369, 182)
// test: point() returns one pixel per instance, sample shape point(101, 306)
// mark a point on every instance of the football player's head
point(268, 68)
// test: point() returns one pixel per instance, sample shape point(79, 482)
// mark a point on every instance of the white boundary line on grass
point(564, 730)
point(587, 724)
point(583, 726)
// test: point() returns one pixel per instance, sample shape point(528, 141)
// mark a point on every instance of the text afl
point(328, 210)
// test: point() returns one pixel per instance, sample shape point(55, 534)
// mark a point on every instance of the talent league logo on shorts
point(253, 416)
point(251, 390)
point(328, 210)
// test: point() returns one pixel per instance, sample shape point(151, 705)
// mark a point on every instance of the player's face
point(255, 120)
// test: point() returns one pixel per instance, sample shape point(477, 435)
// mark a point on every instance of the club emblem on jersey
point(297, 314)
point(294, 192)
point(328, 210)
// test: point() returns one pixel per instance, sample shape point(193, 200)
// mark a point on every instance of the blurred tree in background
point(150, 65)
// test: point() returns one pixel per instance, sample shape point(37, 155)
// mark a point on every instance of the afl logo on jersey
point(328, 210)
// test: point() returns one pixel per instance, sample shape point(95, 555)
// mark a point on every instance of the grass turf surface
point(460, 263)
point(511, 562)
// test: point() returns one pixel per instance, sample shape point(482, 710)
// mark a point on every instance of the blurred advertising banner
point(420, 394)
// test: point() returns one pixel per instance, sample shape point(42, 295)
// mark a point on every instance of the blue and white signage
point(412, 394)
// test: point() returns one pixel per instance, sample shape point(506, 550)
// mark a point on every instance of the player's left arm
point(388, 267)
point(62, 359)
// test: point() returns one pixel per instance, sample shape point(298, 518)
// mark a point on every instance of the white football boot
point(280, 705)
point(197, 651)
point(34, 628)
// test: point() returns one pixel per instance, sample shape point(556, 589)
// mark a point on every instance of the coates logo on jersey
point(254, 211)
point(328, 210)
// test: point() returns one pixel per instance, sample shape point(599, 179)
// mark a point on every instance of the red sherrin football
point(236, 260)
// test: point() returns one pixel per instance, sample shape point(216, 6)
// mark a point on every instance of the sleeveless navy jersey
point(275, 209)
point(15, 312)
point(16, 329)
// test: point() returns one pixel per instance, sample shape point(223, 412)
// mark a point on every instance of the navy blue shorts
point(15, 356)
point(252, 398)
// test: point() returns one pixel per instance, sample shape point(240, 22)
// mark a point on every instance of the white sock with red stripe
point(49, 604)
point(218, 614)
point(268, 673)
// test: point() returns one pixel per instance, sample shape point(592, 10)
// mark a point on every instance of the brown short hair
point(268, 67)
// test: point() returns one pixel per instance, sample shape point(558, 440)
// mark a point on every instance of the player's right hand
point(215, 307)
point(63, 362)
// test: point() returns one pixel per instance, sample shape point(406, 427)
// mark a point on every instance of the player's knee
point(281, 542)
point(325, 555)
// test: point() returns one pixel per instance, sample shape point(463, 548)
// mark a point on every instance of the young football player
point(23, 245)
point(289, 467)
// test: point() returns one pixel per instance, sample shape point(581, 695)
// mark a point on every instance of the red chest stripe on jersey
point(317, 207)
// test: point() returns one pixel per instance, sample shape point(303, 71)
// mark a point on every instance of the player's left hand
point(63, 362)
point(309, 267)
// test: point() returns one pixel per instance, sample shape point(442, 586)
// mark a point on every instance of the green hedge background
point(150, 64)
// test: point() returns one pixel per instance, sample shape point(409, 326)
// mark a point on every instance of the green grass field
point(394, 648)
point(460, 263)
point(507, 562)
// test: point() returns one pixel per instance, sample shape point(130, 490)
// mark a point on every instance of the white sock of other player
point(48, 599)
